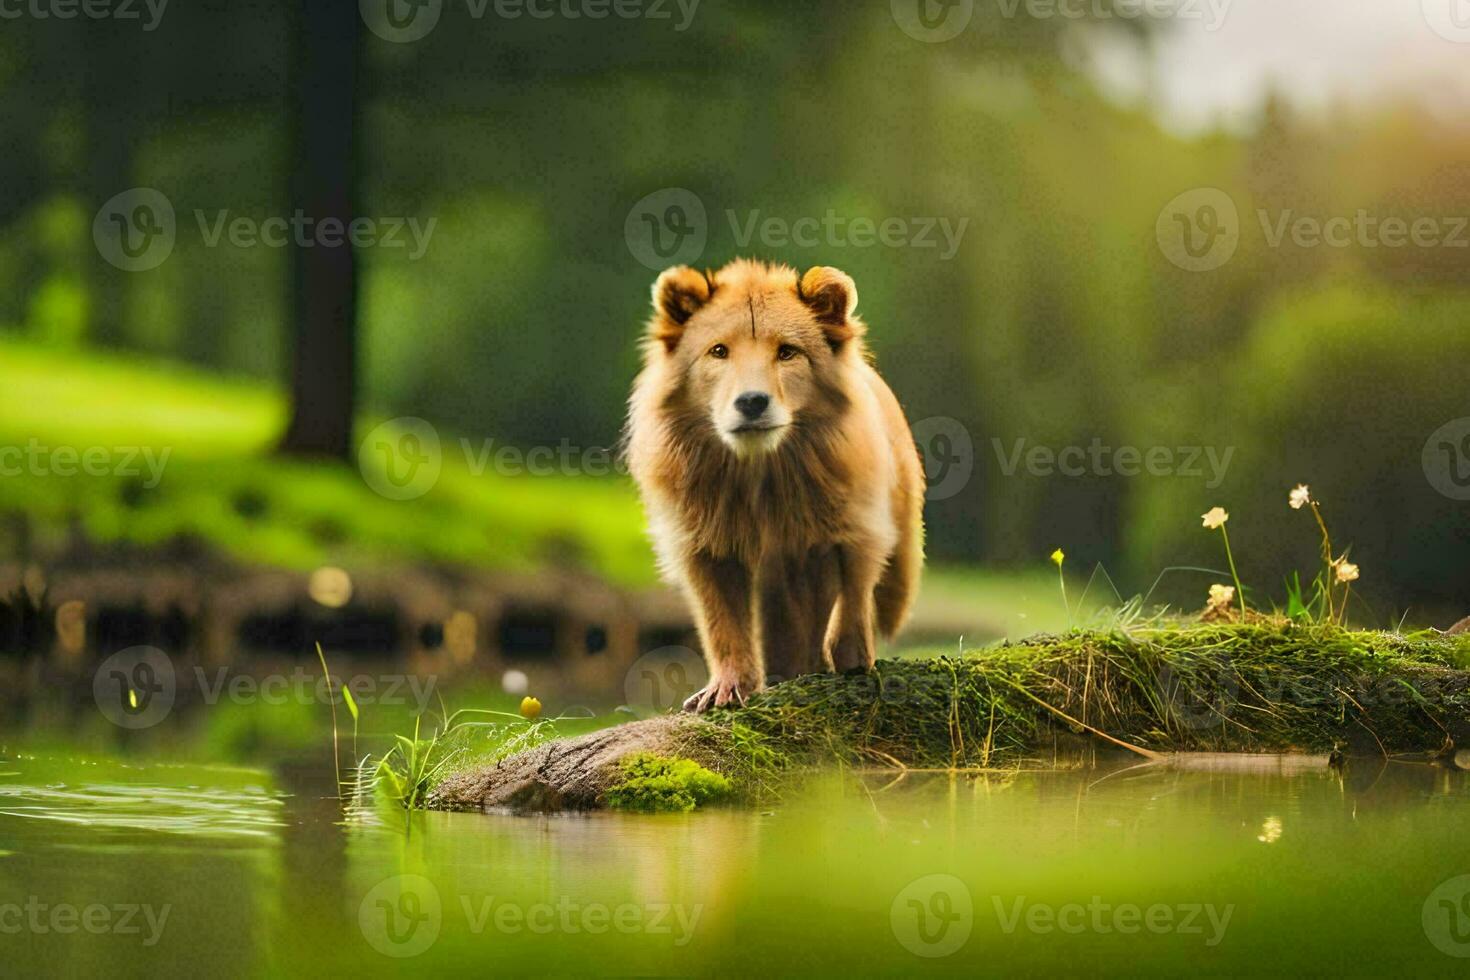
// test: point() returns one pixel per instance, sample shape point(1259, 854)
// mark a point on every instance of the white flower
point(1216, 518)
point(1300, 497)
point(1346, 571)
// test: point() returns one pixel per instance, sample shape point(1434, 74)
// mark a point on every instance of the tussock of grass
point(1268, 686)
point(468, 737)
point(751, 759)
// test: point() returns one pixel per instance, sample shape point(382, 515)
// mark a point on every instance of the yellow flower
point(1346, 571)
point(1057, 557)
point(1216, 518)
point(1300, 497)
point(530, 708)
point(1221, 596)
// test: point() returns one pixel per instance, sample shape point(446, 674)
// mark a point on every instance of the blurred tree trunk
point(111, 87)
point(323, 188)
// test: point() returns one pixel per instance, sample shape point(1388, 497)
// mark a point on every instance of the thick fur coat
point(783, 489)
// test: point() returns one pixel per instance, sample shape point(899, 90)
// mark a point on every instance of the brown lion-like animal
point(783, 488)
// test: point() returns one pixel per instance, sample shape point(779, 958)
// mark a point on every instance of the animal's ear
point(677, 295)
point(831, 295)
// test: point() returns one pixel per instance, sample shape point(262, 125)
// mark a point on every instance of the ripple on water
point(152, 800)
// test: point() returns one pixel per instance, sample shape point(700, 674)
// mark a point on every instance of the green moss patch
point(1263, 687)
point(663, 784)
point(1266, 686)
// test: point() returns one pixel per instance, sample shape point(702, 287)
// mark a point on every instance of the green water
point(145, 869)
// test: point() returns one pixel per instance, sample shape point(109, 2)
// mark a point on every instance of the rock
point(568, 774)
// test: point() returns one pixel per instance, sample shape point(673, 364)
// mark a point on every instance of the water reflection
point(263, 874)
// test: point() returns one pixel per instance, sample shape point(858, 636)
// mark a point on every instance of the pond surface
point(1212, 867)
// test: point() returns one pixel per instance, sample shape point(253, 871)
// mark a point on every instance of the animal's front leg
point(854, 626)
point(797, 594)
point(721, 589)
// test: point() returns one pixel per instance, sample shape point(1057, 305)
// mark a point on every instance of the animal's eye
point(786, 352)
point(719, 352)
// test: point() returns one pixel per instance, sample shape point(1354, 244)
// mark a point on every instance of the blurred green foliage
point(221, 488)
point(1058, 321)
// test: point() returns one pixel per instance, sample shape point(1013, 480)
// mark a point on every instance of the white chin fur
point(751, 444)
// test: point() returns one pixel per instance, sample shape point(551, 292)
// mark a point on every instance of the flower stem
point(1062, 577)
point(1326, 560)
point(1239, 590)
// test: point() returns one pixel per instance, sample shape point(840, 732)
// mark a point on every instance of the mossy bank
point(1267, 687)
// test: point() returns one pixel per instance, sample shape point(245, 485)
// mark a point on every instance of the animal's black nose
point(752, 404)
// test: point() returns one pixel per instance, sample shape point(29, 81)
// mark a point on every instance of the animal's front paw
point(722, 689)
